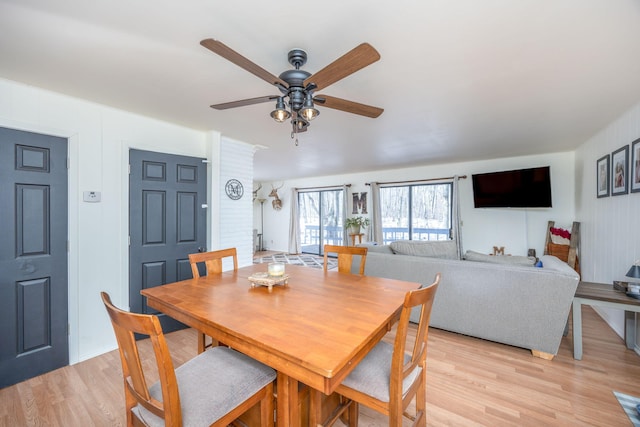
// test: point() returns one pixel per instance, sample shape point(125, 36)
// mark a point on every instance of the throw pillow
point(383, 249)
point(433, 249)
point(499, 259)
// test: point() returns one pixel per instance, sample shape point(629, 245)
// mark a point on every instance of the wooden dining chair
point(387, 379)
point(213, 265)
point(214, 388)
point(346, 257)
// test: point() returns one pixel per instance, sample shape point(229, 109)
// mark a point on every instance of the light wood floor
point(471, 382)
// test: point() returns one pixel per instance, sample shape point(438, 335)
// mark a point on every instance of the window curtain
point(456, 234)
point(375, 230)
point(294, 233)
point(345, 208)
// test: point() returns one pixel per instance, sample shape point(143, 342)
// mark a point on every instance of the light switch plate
point(91, 196)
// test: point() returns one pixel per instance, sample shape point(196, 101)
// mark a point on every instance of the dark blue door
point(33, 255)
point(167, 222)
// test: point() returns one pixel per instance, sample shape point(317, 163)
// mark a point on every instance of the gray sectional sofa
point(498, 298)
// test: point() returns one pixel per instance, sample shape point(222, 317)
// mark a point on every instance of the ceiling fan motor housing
point(296, 91)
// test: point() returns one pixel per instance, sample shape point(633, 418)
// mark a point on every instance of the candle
point(276, 268)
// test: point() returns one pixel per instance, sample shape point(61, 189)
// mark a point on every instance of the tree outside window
point(416, 212)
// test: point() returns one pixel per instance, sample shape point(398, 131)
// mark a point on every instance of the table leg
point(287, 412)
point(315, 407)
point(577, 329)
point(630, 329)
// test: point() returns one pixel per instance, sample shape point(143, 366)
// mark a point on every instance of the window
point(416, 212)
point(320, 219)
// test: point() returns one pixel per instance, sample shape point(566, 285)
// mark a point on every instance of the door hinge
point(68, 163)
point(129, 166)
point(68, 329)
point(129, 237)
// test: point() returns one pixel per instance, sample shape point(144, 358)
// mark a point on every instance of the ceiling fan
point(297, 87)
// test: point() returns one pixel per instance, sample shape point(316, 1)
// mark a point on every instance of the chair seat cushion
point(212, 384)
point(373, 374)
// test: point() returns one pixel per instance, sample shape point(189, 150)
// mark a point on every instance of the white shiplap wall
point(611, 225)
point(236, 216)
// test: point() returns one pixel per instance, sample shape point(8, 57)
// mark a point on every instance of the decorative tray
point(620, 286)
point(263, 279)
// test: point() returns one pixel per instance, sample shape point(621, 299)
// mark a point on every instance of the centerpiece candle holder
point(276, 269)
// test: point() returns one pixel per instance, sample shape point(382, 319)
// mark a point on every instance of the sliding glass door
point(320, 220)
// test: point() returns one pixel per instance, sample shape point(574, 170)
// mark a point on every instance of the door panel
point(33, 255)
point(167, 222)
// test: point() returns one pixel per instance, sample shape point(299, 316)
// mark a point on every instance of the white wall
point(236, 216)
point(515, 229)
point(611, 225)
point(99, 142)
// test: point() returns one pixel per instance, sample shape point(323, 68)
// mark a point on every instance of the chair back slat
point(346, 255)
point(212, 261)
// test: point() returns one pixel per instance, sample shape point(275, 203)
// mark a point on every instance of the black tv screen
point(522, 188)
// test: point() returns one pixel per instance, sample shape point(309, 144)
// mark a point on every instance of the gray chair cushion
point(372, 376)
point(212, 384)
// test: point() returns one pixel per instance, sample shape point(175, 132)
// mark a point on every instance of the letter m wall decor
point(359, 203)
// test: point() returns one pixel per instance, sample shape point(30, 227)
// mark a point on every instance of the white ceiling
point(458, 80)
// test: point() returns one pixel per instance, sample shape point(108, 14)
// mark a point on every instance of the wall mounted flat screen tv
point(522, 188)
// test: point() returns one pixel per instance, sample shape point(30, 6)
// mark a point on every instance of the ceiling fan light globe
point(280, 114)
point(309, 113)
point(301, 124)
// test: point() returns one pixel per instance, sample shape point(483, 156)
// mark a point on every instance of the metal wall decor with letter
point(234, 189)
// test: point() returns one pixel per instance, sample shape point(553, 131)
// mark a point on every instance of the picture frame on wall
point(602, 176)
point(635, 166)
point(619, 171)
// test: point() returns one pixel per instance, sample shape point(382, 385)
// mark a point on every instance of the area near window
point(320, 219)
point(416, 212)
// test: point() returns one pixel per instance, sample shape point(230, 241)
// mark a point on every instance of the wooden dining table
point(313, 330)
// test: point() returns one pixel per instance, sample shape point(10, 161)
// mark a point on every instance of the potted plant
point(355, 223)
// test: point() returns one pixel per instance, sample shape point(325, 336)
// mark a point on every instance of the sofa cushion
point(499, 259)
point(433, 249)
point(371, 247)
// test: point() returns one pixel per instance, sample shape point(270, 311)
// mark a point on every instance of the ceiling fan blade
point(352, 61)
point(243, 102)
point(229, 54)
point(348, 106)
